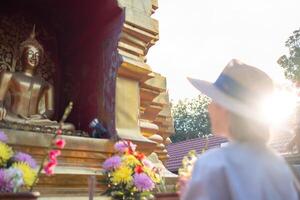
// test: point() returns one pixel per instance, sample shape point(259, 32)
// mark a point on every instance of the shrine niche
point(80, 63)
point(18, 36)
point(31, 97)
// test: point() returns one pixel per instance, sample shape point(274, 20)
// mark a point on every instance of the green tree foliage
point(291, 63)
point(191, 119)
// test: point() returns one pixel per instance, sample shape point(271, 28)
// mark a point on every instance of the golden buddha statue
point(27, 90)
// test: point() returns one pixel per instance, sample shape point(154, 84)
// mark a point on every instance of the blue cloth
point(241, 172)
point(234, 89)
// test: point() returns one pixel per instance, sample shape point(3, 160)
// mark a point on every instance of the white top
point(241, 172)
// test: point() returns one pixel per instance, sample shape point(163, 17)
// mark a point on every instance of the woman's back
point(241, 172)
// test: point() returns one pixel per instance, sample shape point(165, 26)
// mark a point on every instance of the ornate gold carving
point(40, 129)
point(14, 30)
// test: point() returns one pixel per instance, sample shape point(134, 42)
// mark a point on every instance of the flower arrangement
point(188, 162)
point(129, 174)
point(18, 171)
point(185, 172)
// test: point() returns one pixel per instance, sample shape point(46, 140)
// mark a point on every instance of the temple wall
point(153, 122)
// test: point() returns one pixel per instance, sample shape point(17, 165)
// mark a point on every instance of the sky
point(199, 37)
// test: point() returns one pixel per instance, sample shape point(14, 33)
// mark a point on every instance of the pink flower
point(49, 171)
point(59, 132)
point(123, 146)
point(49, 167)
point(51, 164)
point(60, 143)
point(53, 154)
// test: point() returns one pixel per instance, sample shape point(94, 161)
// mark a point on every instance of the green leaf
point(191, 118)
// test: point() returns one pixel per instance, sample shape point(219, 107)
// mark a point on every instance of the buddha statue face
point(31, 56)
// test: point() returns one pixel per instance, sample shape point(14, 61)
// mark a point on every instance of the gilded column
point(142, 103)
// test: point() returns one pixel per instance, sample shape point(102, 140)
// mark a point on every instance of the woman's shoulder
point(219, 157)
point(212, 158)
point(211, 164)
point(240, 154)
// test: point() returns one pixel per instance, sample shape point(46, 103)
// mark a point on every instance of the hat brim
point(224, 99)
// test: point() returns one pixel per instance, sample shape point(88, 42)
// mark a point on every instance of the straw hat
point(240, 88)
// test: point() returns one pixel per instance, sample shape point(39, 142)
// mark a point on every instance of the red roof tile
point(178, 150)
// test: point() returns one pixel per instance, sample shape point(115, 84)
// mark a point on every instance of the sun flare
point(280, 106)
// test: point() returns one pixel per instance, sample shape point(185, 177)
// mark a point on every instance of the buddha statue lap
point(26, 91)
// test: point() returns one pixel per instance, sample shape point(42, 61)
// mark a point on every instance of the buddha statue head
point(31, 52)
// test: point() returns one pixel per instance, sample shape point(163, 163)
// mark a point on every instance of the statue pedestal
point(80, 159)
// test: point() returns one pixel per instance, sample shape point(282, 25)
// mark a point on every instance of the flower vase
point(167, 196)
point(20, 196)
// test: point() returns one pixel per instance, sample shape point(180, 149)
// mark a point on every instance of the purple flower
point(143, 182)
point(15, 176)
point(122, 146)
point(24, 157)
point(112, 163)
point(6, 184)
point(3, 137)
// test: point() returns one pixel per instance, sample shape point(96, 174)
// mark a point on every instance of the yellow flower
point(153, 175)
point(122, 175)
point(28, 173)
point(130, 160)
point(5, 153)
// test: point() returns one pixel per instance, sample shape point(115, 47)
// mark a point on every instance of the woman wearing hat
point(246, 169)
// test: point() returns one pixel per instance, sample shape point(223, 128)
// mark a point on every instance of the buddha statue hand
point(37, 119)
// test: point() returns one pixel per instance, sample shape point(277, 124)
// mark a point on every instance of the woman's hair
point(244, 129)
